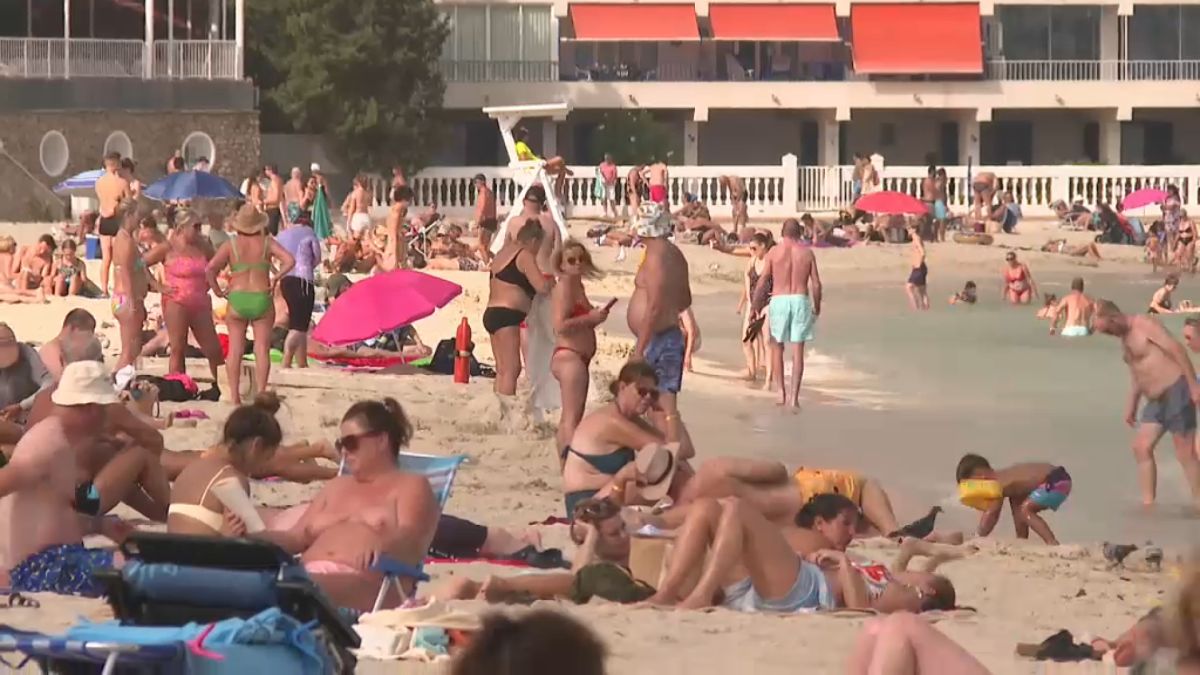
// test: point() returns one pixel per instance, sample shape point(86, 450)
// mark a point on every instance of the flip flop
point(191, 414)
point(16, 600)
point(1059, 647)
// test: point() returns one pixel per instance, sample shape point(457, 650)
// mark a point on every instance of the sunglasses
point(351, 442)
point(645, 392)
point(572, 260)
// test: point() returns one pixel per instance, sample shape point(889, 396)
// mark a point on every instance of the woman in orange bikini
point(1019, 288)
point(187, 305)
point(575, 322)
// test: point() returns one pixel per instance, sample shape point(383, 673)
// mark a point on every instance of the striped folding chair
point(440, 471)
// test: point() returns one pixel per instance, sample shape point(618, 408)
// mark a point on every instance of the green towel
point(322, 223)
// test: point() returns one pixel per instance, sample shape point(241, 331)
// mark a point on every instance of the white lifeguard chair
point(526, 174)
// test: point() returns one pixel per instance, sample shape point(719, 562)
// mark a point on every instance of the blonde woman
point(131, 283)
point(575, 322)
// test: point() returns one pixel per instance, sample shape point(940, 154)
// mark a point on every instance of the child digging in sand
point(1030, 487)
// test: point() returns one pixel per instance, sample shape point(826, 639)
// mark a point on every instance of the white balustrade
point(786, 189)
point(55, 58)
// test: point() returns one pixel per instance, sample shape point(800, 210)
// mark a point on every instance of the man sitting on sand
point(77, 321)
point(1077, 307)
point(40, 501)
point(1162, 372)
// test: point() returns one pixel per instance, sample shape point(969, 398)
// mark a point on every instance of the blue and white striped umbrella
point(83, 185)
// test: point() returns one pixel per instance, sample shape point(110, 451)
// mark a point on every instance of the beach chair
point(172, 579)
point(440, 471)
point(50, 652)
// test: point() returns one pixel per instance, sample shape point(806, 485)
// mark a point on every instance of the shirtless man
point(795, 288)
point(984, 190)
point(354, 208)
point(485, 215)
point(633, 189)
point(398, 179)
point(661, 292)
point(111, 189)
point(34, 267)
point(274, 199)
point(1078, 309)
point(77, 321)
point(391, 255)
point(43, 510)
point(737, 200)
point(1161, 372)
point(658, 178)
point(293, 195)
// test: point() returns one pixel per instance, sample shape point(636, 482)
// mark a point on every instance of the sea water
point(987, 379)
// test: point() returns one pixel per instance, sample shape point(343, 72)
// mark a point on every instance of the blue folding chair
point(440, 471)
point(44, 650)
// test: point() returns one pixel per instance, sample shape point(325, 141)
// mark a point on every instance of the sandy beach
point(1020, 591)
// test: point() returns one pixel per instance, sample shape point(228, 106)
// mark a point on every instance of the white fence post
point(1060, 187)
point(791, 184)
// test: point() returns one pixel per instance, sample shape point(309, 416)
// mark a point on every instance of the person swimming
point(966, 296)
point(1047, 309)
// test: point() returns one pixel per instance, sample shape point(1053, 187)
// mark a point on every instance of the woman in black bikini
point(599, 461)
point(575, 322)
point(754, 348)
point(1185, 250)
point(515, 279)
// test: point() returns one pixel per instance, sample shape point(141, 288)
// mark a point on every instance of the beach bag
point(442, 361)
point(172, 389)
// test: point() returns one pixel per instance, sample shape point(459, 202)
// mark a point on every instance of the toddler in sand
point(1030, 487)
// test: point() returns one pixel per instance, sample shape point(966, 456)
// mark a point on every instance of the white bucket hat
point(653, 221)
point(84, 383)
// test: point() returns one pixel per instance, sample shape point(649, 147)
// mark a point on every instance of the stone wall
point(154, 137)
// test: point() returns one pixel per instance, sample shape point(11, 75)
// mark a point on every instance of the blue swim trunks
point(1053, 491)
point(665, 355)
point(809, 592)
point(65, 569)
point(791, 318)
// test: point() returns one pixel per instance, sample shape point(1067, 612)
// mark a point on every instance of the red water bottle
point(462, 353)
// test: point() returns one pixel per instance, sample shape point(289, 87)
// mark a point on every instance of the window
point(54, 153)
point(198, 145)
point(499, 33)
point(118, 141)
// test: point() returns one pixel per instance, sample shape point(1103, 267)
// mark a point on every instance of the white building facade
point(991, 83)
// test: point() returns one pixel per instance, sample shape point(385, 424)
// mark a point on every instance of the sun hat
point(653, 221)
point(84, 383)
point(249, 220)
point(314, 167)
point(656, 465)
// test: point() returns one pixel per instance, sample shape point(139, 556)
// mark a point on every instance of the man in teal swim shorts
point(795, 288)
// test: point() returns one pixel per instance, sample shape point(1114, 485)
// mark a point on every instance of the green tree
point(633, 137)
point(363, 74)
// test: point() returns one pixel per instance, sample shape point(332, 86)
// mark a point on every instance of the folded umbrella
point(189, 185)
point(383, 303)
point(1143, 197)
point(891, 203)
point(82, 184)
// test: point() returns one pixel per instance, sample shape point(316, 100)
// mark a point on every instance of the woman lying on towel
point(377, 510)
point(757, 566)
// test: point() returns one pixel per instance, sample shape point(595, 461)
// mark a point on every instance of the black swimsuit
point(496, 318)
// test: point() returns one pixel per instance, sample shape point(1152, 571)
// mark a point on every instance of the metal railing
point(205, 59)
point(499, 71)
point(55, 58)
point(1102, 71)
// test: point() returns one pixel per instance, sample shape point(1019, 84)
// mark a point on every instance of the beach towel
point(540, 338)
point(322, 223)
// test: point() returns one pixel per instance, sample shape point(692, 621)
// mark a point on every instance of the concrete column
point(829, 136)
point(691, 142)
point(549, 138)
point(968, 139)
point(148, 61)
point(1110, 140)
point(239, 34)
point(1110, 42)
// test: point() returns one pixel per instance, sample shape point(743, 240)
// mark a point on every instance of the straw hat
point(249, 220)
point(84, 383)
point(656, 465)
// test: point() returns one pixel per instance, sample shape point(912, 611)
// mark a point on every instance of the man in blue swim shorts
point(661, 293)
point(42, 525)
point(795, 304)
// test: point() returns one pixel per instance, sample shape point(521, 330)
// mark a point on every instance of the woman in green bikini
point(130, 286)
point(251, 286)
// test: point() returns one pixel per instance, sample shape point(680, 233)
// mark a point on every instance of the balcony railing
point(998, 69)
point(54, 58)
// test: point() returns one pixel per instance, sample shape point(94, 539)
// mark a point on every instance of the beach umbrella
point(189, 185)
point(80, 185)
point(891, 203)
point(381, 304)
point(1143, 197)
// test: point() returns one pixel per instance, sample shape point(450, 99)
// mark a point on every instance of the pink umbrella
point(891, 202)
point(1143, 197)
point(383, 303)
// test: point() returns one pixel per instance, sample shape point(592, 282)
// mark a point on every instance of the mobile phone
point(610, 304)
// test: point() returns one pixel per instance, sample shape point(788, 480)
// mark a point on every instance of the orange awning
point(604, 22)
point(912, 39)
point(762, 23)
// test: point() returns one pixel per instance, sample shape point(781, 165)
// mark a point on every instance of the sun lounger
point(440, 471)
point(48, 651)
point(172, 579)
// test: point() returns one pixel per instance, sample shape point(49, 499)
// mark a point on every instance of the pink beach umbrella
point(1143, 197)
point(383, 303)
point(891, 203)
